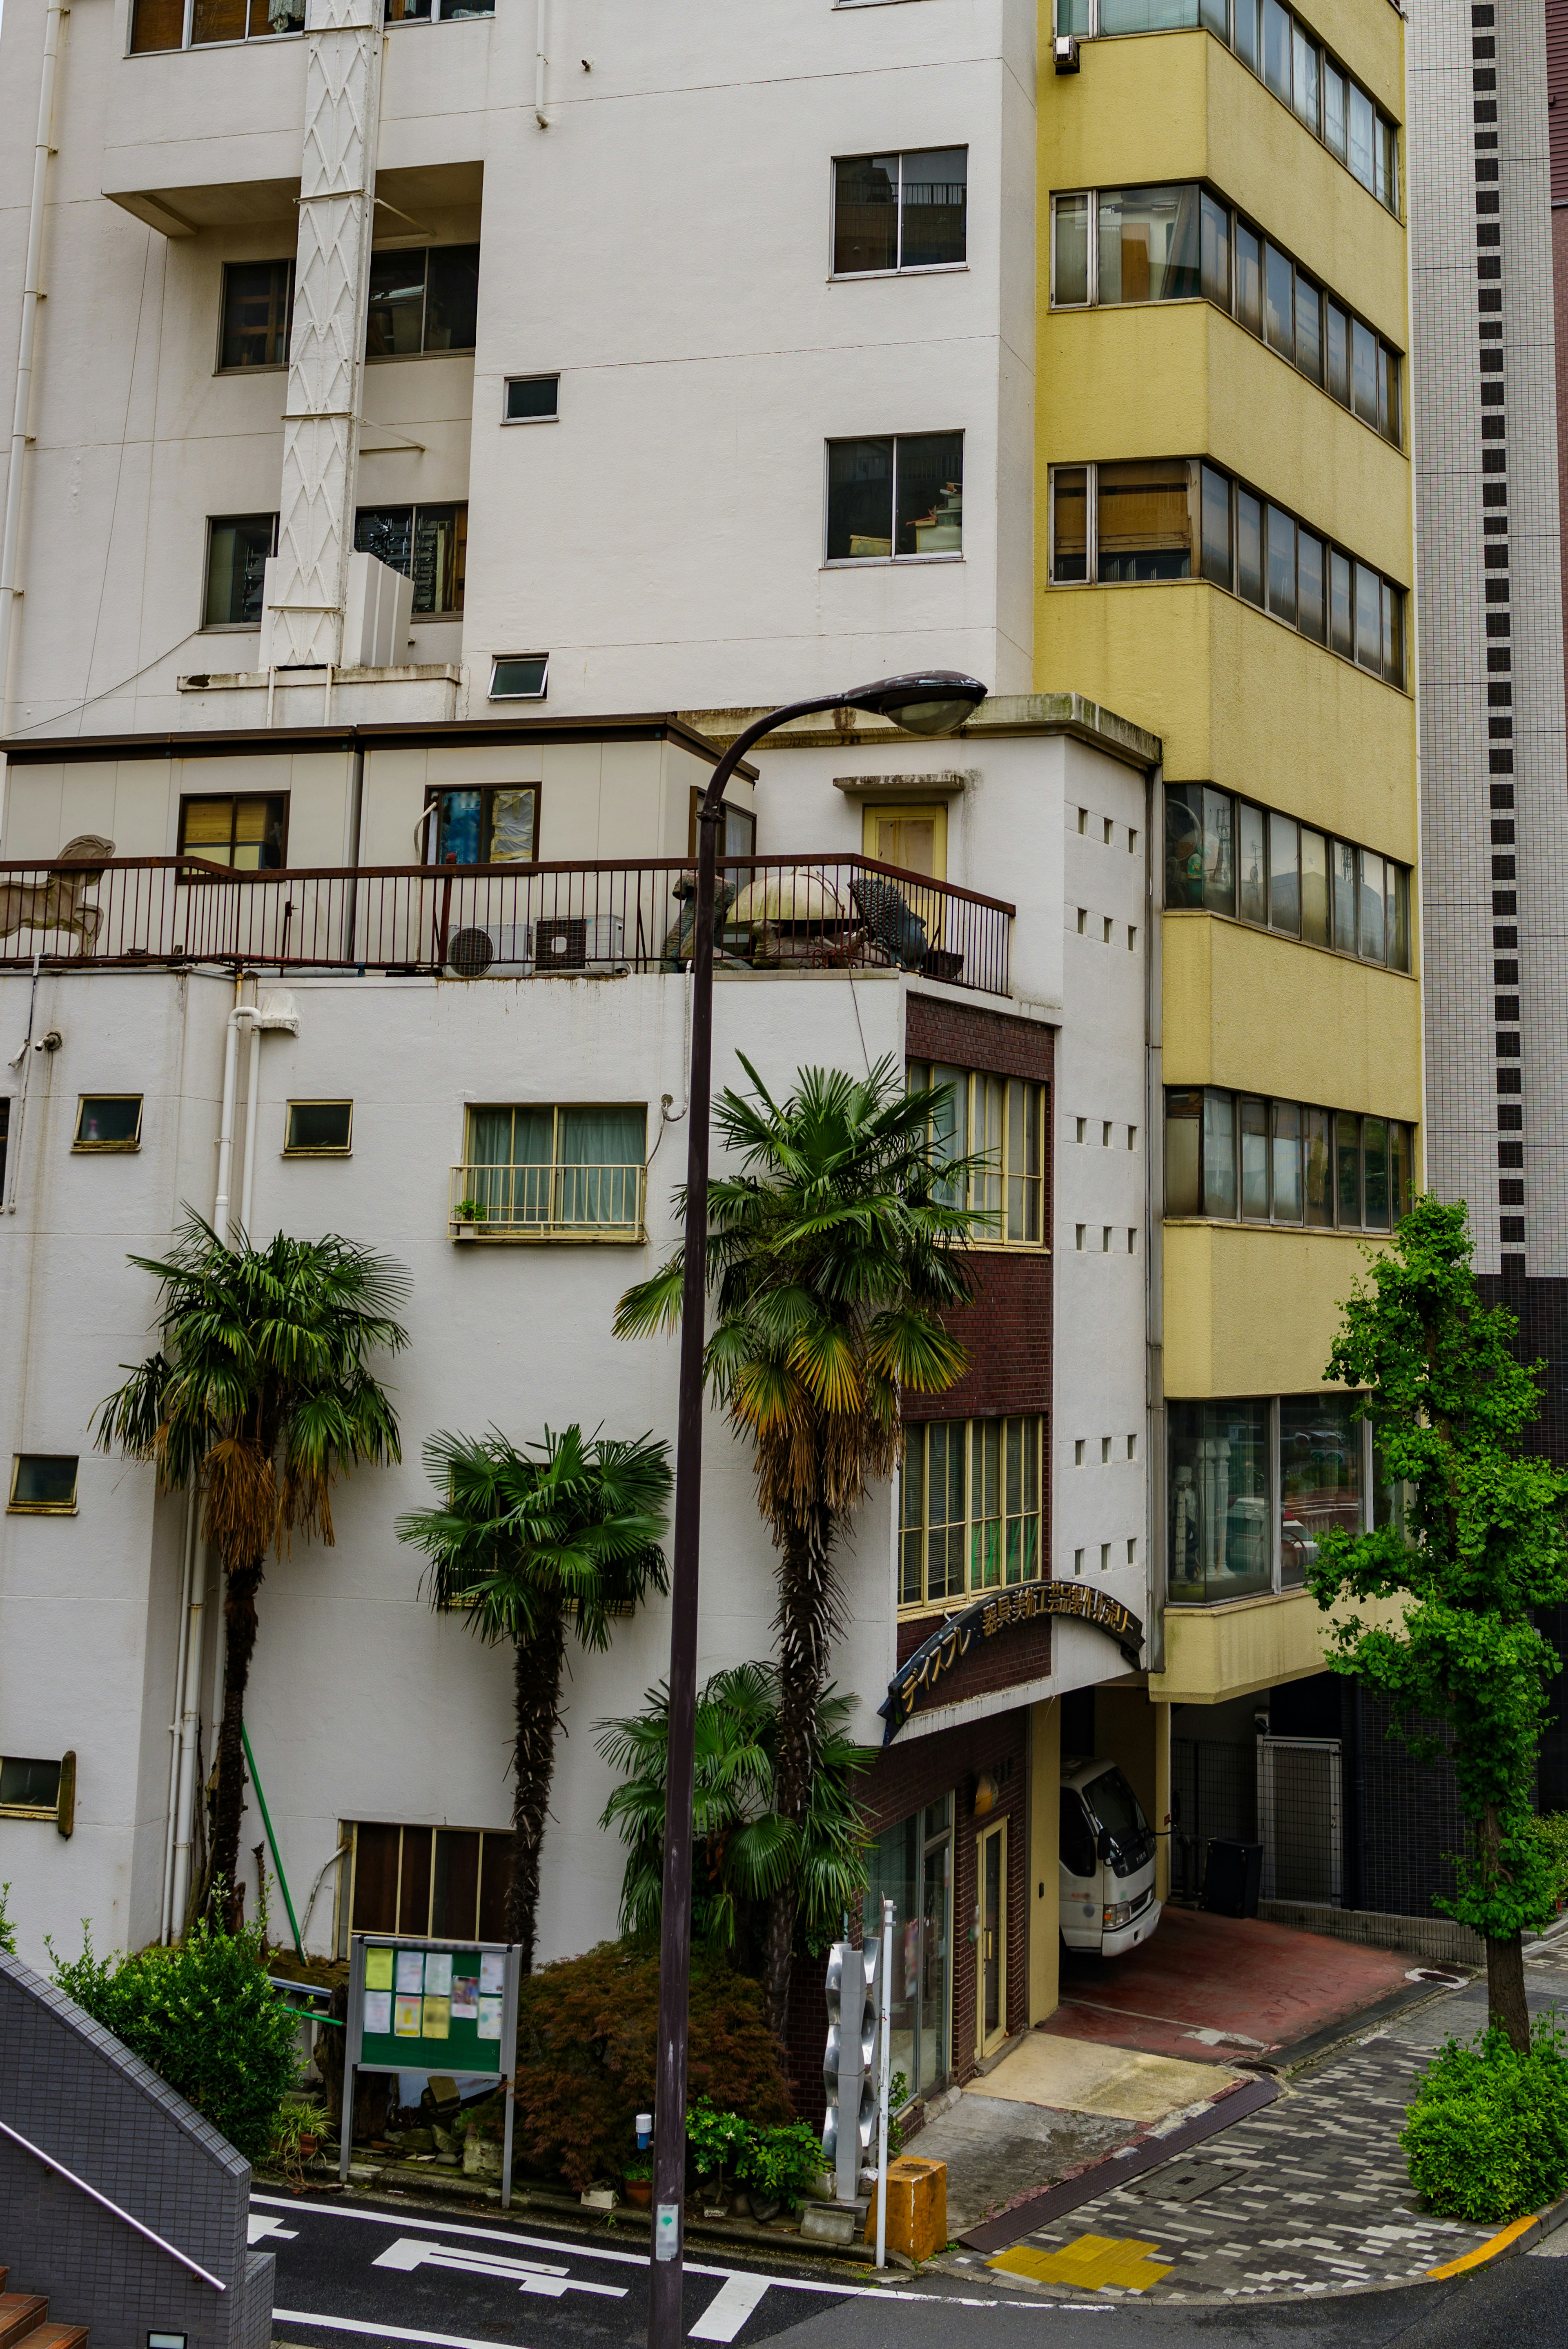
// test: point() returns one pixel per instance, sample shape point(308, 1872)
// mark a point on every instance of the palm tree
point(744, 1849)
point(833, 1255)
point(527, 1545)
point(260, 1393)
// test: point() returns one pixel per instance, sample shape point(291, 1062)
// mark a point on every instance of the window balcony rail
point(502, 921)
point(547, 1203)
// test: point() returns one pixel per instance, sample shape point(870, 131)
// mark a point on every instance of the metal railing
point(112, 2207)
point(547, 1203)
point(503, 921)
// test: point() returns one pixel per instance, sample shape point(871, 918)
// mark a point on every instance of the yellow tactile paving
point(1088, 2262)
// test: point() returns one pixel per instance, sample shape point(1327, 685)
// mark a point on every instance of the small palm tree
point(831, 1256)
point(529, 1545)
point(744, 1850)
point(261, 1394)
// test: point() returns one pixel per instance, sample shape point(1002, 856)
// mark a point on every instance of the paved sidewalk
point(1309, 2196)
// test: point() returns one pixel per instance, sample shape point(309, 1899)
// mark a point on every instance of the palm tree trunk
point(807, 1618)
point(240, 1588)
point(537, 1687)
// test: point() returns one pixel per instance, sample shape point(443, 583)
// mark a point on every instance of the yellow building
point(1224, 556)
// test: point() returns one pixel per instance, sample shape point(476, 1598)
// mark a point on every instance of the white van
point(1107, 1902)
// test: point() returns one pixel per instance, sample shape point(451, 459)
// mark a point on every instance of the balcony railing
point(503, 921)
point(547, 1203)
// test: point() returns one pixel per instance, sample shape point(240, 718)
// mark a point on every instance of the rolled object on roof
point(790, 895)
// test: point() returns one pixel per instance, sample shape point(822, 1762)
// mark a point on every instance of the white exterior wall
point(666, 244)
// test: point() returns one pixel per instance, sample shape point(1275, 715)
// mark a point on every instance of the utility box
point(1231, 1875)
point(916, 2208)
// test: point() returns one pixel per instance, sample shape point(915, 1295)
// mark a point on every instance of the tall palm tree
point(833, 1255)
point(261, 1394)
point(744, 1849)
point(530, 1545)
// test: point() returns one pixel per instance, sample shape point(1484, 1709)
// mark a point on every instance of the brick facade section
point(1002, 1661)
point(1007, 1330)
point(978, 1040)
point(904, 1778)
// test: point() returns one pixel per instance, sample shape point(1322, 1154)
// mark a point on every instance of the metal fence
point(504, 921)
point(1284, 1793)
point(1214, 1791)
point(546, 1203)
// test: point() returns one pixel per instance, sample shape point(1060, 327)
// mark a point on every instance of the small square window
point(1131, 841)
point(532, 399)
point(1083, 819)
point(1133, 1137)
point(1104, 1240)
point(1083, 1129)
point(1104, 1133)
point(1131, 1239)
point(1083, 921)
point(1109, 927)
point(518, 677)
point(1133, 1448)
point(29, 1789)
point(44, 1484)
point(1105, 1558)
point(1109, 829)
point(1077, 1561)
point(1132, 1553)
point(1081, 1229)
point(319, 1129)
point(1131, 939)
point(166, 2341)
point(108, 1122)
point(1105, 1447)
point(1078, 1451)
point(258, 312)
point(238, 547)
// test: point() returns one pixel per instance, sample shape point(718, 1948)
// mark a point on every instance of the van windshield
point(1115, 1808)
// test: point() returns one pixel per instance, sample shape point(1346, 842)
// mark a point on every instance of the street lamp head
point(932, 701)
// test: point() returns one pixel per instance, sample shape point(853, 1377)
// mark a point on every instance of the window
point(160, 24)
point(518, 677)
point(971, 1515)
point(1284, 1162)
point(422, 299)
point(490, 824)
point(28, 1789)
point(739, 837)
point(899, 212)
point(108, 1122)
point(1322, 1466)
point(258, 313)
point(319, 1129)
point(238, 546)
point(1121, 523)
point(1174, 244)
point(445, 1883)
point(549, 1173)
point(429, 545)
point(445, 11)
point(532, 399)
point(894, 498)
point(1274, 44)
point(912, 1865)
point(1003, 1120)
point(42, 1485)
point(1256, 1483)
point(247, 833)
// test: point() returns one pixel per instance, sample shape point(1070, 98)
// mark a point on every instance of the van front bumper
point(1129, 1937)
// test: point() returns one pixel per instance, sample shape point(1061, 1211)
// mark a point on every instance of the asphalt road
point(357, 2275)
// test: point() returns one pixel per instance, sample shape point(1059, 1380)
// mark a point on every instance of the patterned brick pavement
point(1308, 2195)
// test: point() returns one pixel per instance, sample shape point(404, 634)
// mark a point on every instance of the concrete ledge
point(1438, 1938)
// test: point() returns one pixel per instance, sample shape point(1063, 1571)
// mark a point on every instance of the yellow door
point(991, 1986)
point(913, 838)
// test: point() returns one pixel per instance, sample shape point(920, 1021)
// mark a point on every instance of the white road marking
point(728, 2309)
point(258, 2225)
point(378, 2332)
point(528, 2276)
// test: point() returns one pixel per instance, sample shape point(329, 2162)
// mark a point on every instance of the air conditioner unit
point(559, 945)
point(1064, 53)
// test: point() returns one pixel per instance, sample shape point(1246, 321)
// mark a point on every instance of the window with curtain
point(1002, 1119)
point(548, 1172)
point(970, 1510)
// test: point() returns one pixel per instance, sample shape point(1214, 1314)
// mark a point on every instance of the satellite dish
point(470, 953)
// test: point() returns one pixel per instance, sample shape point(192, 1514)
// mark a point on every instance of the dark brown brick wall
point(1007, 1330)
point(978, 1040)
point(904, 1778)
point(1001, 1661)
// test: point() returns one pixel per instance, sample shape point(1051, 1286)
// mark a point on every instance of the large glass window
point(1199, 871)
point(428, 544)
point(426, 298)
point(1002, 1120)
point(912, 1866)
point(258, 311)
point(897, 497)
point(1144, 521)
point(1273, 43)
point(542, 1172)
point(971, 1509)
point(899, 212)
point(492, 824)
point(1219, 1546)
point(238, 546)
point(1321, 1476)
point(1148, 245)
point(160, 24)
point(1284, 1162)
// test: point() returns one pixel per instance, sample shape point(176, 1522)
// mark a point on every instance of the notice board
point(442, 2006)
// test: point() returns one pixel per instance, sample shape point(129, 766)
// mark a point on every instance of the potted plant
point(467, 1217)
point(638, 2180)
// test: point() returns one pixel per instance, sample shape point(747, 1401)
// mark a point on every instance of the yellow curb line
point(1484, 2251)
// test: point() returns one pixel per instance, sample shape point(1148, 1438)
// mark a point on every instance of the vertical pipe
point(538, 113)
point(11, 533)
point(190, 1715)
point(181, 1638)
point(226, 1125)
point(252, 1101)
point(886, 2088)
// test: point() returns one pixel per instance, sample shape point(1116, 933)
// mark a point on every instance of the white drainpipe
point(13, 524)
point(247, 1011)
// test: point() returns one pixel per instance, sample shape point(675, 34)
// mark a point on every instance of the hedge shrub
point(587, 2051)
point(1487, 2138)
point(203, 2018)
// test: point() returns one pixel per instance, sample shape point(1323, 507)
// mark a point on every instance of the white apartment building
point(494, 431)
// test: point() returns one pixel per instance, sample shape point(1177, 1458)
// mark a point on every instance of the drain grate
point(1186, 2182)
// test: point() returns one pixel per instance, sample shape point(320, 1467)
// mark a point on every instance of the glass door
point(991, 2002)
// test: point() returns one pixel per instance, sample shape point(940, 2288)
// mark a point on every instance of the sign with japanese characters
point(999, 1612)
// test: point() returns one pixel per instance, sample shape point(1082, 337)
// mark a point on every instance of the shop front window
point(912, 1866)
point(1218, 1500)
point(1320, 1471)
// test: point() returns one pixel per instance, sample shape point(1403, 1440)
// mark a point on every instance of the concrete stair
point(25, 2322)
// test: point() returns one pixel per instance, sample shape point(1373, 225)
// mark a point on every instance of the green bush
point(587, 2056)
point(777, 2161)
point(1487, 2138)
point(1551, 1832)
point(7, 1931)
point(203, 2018)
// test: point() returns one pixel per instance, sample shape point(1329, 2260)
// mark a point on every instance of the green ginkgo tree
point(1473, 1548)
